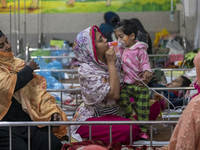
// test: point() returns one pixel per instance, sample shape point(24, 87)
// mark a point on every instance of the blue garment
point(108, 27)
point(178, 102)
point(109, 16)
point(172, 95)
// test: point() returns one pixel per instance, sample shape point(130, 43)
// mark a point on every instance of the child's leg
point(124, 100)
point(141, 96)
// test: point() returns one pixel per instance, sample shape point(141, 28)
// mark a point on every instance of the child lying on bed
point(175, 96)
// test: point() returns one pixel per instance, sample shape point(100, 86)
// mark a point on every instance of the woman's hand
point(147, 75)
point(56, 117)
point(110, 56)
point(33, 64)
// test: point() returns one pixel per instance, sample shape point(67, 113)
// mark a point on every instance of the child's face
point(120, 36)
point(177, 82)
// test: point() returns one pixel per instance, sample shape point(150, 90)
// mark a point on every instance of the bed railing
point(69, 123)
point(29, 49)
point(75, 71)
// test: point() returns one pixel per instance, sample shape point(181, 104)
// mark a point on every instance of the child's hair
point(186, 82)
point(127, 26)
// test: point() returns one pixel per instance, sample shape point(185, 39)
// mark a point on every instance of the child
point(176, 96)
point(135, 62)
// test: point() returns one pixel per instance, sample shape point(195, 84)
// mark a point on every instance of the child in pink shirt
point(135, 63)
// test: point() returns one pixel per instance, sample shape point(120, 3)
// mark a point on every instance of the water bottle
point(65, 49)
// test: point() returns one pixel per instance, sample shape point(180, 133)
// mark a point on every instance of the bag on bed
point(189, 57)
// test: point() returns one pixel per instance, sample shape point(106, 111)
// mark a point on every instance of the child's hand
point(146, 77)
point(138, 82)
point(56, 117)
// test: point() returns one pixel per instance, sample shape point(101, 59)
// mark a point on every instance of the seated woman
point(100, 78)
point(186, 133)
point(24, 98)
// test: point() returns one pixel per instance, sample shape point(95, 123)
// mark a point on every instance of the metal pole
point(39, 39)
point(69, 133)
point(29, 138)
point(49, 132)
point(10, 137)
point(19, 19)
point(41, 23)
point(90, 133)
point(10, 27)
point(110, 133)
point(131, 137)
point(151, 135)
point(61, 99)
point(25, 24)
point(15, 21)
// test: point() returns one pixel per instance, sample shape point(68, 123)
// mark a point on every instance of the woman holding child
point(100, 78)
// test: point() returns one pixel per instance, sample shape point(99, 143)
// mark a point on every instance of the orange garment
point(186, 135)
point(35, 101)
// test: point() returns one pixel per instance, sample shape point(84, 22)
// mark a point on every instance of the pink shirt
point(134, 59)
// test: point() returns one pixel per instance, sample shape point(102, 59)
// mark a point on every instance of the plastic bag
point(56, 65)
point(51, 66)
point(42, 63)
point(159, 35)
point(175, 47)
point(52, 83)
point(41, 52)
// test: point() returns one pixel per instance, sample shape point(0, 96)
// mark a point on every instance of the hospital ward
point(100, 75)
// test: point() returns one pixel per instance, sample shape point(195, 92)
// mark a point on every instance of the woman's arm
point(113, 76)
point(23, 77)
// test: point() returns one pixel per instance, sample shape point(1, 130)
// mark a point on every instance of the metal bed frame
point(73, 72)
point(69, 123)
point(28, 50)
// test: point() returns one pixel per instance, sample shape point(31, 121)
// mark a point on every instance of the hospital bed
point(89, 123)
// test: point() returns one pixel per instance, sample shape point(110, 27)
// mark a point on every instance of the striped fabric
point(141, 105)
point(101, 111)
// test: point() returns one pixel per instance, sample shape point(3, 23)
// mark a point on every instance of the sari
point(35, 101)
point(186, 134)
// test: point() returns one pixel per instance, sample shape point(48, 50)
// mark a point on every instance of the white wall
point(67, 26)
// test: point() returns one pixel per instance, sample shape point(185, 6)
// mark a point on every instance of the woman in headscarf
point(186, 134)
point(24, 98)
point(100, 78)
point(107, 28)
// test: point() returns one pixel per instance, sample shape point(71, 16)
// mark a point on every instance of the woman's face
point(4, 44)
point(101, 44)
point(177, 82)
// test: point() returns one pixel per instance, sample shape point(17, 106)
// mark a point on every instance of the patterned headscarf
point(92, 71)
point(35, 101)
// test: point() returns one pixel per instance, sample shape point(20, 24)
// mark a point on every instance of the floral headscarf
point(92, 71)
